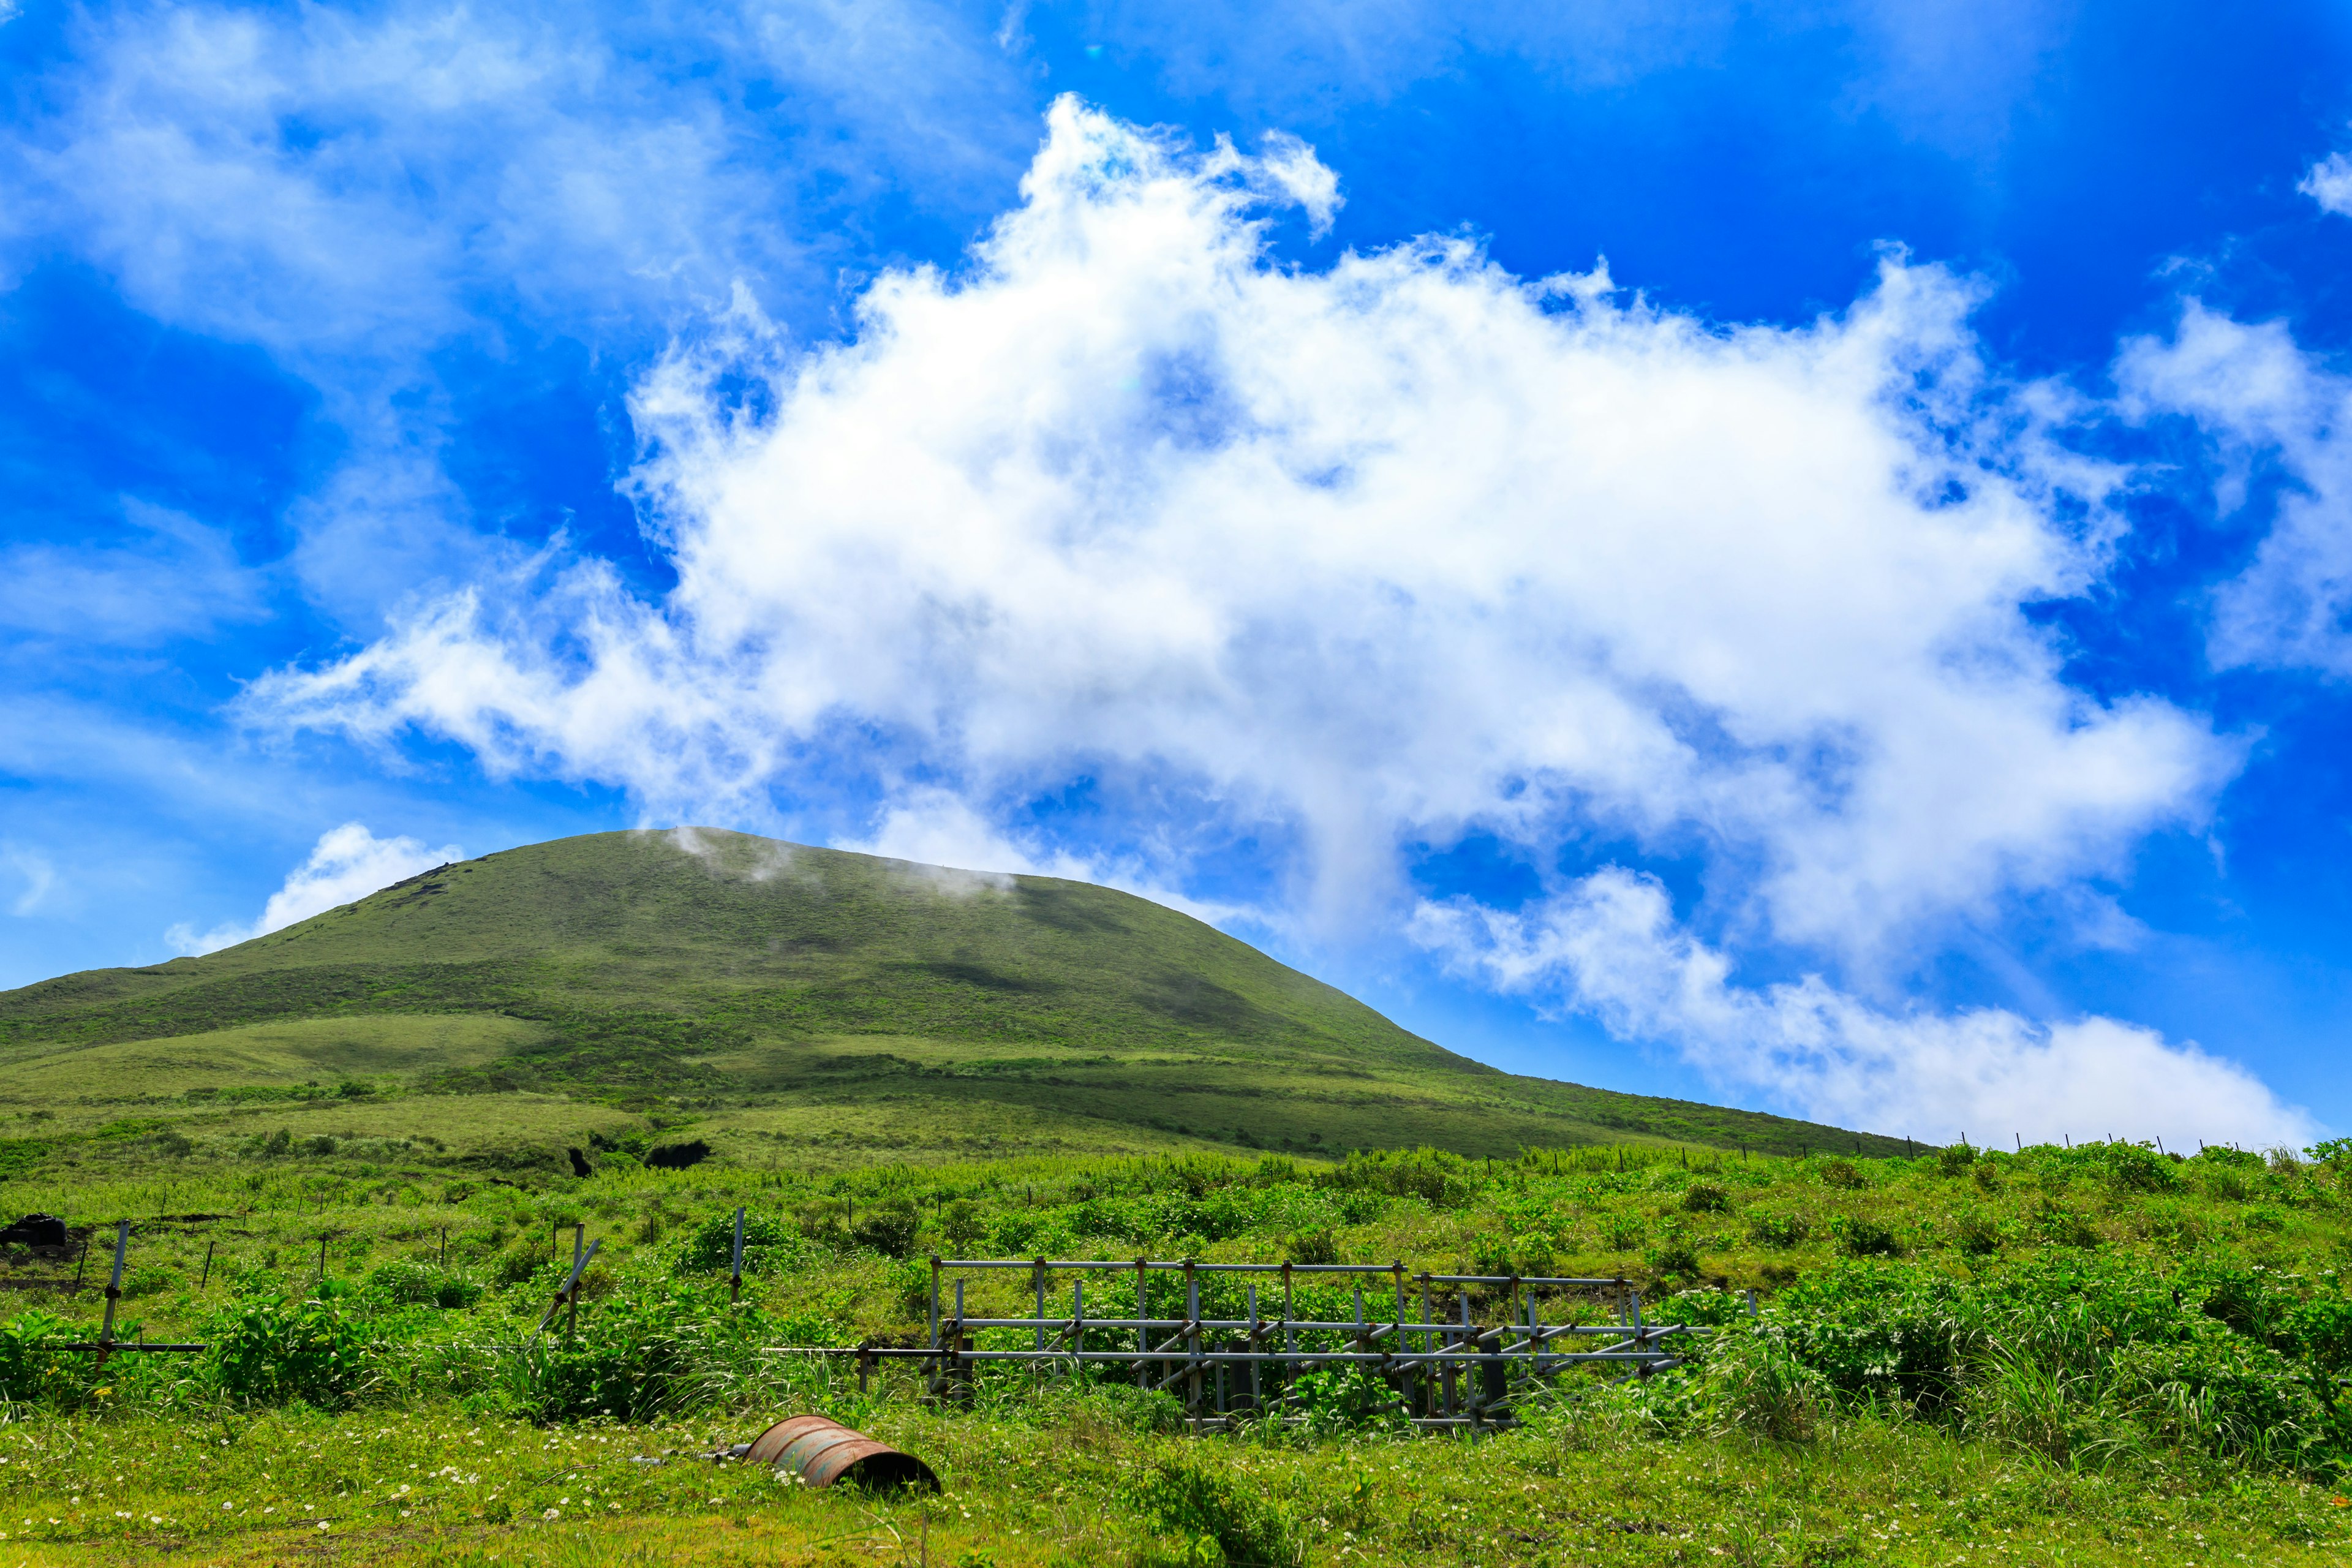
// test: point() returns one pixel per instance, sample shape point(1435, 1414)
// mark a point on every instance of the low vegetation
point(2096, 1354)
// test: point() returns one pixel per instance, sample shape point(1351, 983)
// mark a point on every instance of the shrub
point(1977, 1233)
point(1705, 1197)
point(1195, 1501)
point(769, 1245)
point(643, 1355)
point(1955, 1160)
point(1339, 1401)
point(1780, 1230)
point(1439, 1179)
point(890, 1229)
point(1673, 1257)
point(1858, 1236)
point(271, 1349)
point(1842, 1174)
point(1764, 1389)
point(963, 1226)
point(2320, 1330)
point(1520, 1255)
point(34, 1367)
point(1317, 1246)
point(521, 1261)
point(413, 1282)
point(151, 1280)
point(2062, 1226)
point(2133, 1169)
point(1621, 1232)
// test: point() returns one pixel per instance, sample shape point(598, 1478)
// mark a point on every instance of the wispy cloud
point(2260, 400)
point(2329, 183)
point(1609, 945)
point(348, 863)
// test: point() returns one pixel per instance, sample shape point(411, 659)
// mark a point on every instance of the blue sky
point(1877, 650)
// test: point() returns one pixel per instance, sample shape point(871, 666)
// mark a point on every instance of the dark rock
point(36, 1230)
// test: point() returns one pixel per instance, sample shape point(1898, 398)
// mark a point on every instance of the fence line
point(1439, 1373)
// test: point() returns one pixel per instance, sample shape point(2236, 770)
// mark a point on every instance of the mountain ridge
point(751, 982)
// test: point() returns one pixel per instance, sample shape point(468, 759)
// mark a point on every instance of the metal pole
point(735, 1268)
point(206, 1278)
point(115, 1284)
point(1257, 1398)
point(1193, 1332)
point(1143, 1328)
point(1404, 1379)
point(579, 1267)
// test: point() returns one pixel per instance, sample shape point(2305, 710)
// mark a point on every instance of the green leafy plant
point(1193, 1501)
point(271, 1349)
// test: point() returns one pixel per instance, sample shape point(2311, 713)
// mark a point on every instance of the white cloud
point(1609, 945)
point(1393, 550)
point(373, 198)
point(37, 876)
point(348, 863)
point(1351, 560)
point(2263, 399)
point(173, 577)
point(2329, 183)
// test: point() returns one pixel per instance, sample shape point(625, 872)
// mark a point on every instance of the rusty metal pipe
point(821, 1452)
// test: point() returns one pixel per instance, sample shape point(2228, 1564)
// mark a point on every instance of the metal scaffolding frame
point(1443, 1373)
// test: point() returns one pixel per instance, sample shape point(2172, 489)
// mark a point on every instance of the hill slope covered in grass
point(611, 991)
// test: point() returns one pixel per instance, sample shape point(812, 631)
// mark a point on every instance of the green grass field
point(777, 1000)
point(2097, 1355)
point(351, 1153)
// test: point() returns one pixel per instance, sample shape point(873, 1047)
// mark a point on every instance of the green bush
point(1339, 1401)
point(1976, 1233)
point(1842, 1174)
point(769, 1245)
point(271, 1350)
point(1705, 1197)
point(1858, 1236)
point(2320, 1330)
point(2133, 1169)
point(1762, 1387)
point(1779, 1230)
point(412, 1282)
point(1437, 1178)
point(34, 1367)
point(644, 1354)
point(1195, 1501)
point(890, 1229)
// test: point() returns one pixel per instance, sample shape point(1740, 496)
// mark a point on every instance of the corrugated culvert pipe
point(821, 1452)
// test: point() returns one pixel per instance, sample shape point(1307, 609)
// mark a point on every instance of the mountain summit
point(602, 989)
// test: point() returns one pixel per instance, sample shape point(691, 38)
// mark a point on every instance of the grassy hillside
point(785, 1003)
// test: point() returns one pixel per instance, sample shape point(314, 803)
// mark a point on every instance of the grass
point(760, 988)
point(2095, 1356)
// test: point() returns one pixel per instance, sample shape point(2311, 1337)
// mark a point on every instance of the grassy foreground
point(2062, 1356)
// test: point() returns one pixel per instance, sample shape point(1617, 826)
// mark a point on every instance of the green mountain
point(620, 990)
